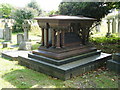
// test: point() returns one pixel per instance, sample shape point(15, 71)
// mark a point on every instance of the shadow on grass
point(26, 78)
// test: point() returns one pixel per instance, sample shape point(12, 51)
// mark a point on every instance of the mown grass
point(13, 75)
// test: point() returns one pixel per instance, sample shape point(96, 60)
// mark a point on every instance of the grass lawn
point(13, 75)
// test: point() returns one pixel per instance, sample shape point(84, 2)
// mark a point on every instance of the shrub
point(106, 40)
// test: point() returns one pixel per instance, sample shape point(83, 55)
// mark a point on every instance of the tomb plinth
point(69, 36)
point(65, 51)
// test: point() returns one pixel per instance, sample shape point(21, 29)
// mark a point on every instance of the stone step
point(68, 70)
point(64, 55)
point(13, 55)
point(64, 61)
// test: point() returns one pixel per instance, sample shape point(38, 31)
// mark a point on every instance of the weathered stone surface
point(25, 46)
point(7, 33)
point(63, 61)
point(114, 64)
point(20, 38)
point(13, 55)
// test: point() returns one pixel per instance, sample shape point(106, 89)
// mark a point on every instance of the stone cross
point(25, 44)
point(26, 26)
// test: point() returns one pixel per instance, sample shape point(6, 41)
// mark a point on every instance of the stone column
point(53, 38)
point(50, 35)
point(113, 26)
point(42, 37)
point(119, 27)
point(119, 23)
point(108, 33)
point(58, 39)
point(63, 38)
point(47, 37)
point(26, 35)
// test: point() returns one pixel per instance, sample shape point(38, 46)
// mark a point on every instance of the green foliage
point(35, 46)
point(34, 5)
point(19, 16)
point(106, 40)
point(114, 4)
point(89, 9)
point(53, 12)
point(5, 10)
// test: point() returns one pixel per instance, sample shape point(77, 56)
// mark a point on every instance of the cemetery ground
point(13, 75)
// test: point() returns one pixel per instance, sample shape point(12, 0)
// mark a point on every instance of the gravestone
point(7, 33)
point(1, 33)
point(20, 38)
point(25, 44)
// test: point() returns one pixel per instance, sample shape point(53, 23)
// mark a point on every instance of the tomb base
point(114, 64)
point(66, 67)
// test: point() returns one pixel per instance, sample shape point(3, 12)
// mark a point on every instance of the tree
point(53, 12)
point(89, 9)
point(96, 10)
point(5, 10)
point(19, 16)
point(33, 4)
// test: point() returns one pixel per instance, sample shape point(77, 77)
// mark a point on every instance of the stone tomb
point(65, 50)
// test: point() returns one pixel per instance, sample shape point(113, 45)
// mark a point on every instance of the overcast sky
point(46, 5)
